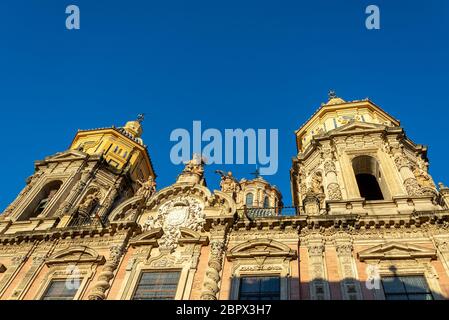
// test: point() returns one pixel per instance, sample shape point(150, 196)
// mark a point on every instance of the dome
point(134, 127)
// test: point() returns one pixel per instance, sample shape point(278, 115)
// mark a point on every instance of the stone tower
point(372, 209)
point(354, 158)
point(101, 167)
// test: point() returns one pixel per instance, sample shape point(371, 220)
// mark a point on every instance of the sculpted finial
point(228, 183)
point(256, 173)
point(332, 94)
point(140, 117)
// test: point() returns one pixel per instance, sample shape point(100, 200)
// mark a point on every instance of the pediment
point(68, 155)
point(190, 236)
point(261, 247)
point(357, 126)
point(127, 210)
point(147, 238)
point(151, 237)
point(76, 255)
point(394, 250)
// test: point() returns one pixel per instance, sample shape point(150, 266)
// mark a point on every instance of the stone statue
point(196, 165)
point(147, 188)
point(228, 183)
point(193, 171)
point(316, 184)
point(89, 203)
point(423, 178)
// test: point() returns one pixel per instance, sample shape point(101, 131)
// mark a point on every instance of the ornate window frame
point(61, 266)
point(148, 258)
point(271, 259)
point(142, 269)
point(63, 273)
point(401, 259)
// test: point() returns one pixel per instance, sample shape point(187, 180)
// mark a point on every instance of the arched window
point(249, 200)
point(368, 177)
point(266, 202)
point(41, 201)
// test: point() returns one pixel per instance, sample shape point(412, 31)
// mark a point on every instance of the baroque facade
point(367, 221)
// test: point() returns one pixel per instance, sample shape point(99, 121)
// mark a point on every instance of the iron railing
point(254, 213)
point(81, 221)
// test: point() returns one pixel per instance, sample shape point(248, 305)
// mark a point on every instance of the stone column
point(332, 186)
point(405, 169)
point(103, 282)
point(214, 265)
point(74, 193)
point(349, 283)
point(319, 287)
point(109, 200)
point(331, 182)
point(38, 261)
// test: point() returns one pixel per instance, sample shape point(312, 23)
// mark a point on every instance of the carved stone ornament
point(415, 189)
point(329, 166)
point(103, 283)
point(334, 191)
point(228, 183)
point(211, 282)
point(89, 203)
point(423, 178)
point(316, 184)
point(311, 205)
point(147, 188)
point(344, 250)
point(401, 161)
point(180, 212)
point(316, 250)
point(326, 152)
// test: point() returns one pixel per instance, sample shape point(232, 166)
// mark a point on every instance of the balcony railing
point(81, 221)
point(254, 213)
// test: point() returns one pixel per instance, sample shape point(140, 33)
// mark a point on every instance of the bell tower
point(83, 184)
point(353, 157)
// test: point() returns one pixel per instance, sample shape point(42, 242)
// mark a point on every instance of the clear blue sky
point(230, 64)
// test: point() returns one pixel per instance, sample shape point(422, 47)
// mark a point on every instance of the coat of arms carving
point(180, 212)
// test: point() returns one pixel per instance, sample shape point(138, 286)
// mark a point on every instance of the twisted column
point(210, 286)
point(103, 282)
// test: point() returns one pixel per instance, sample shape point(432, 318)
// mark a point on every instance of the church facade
point(367, 221)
